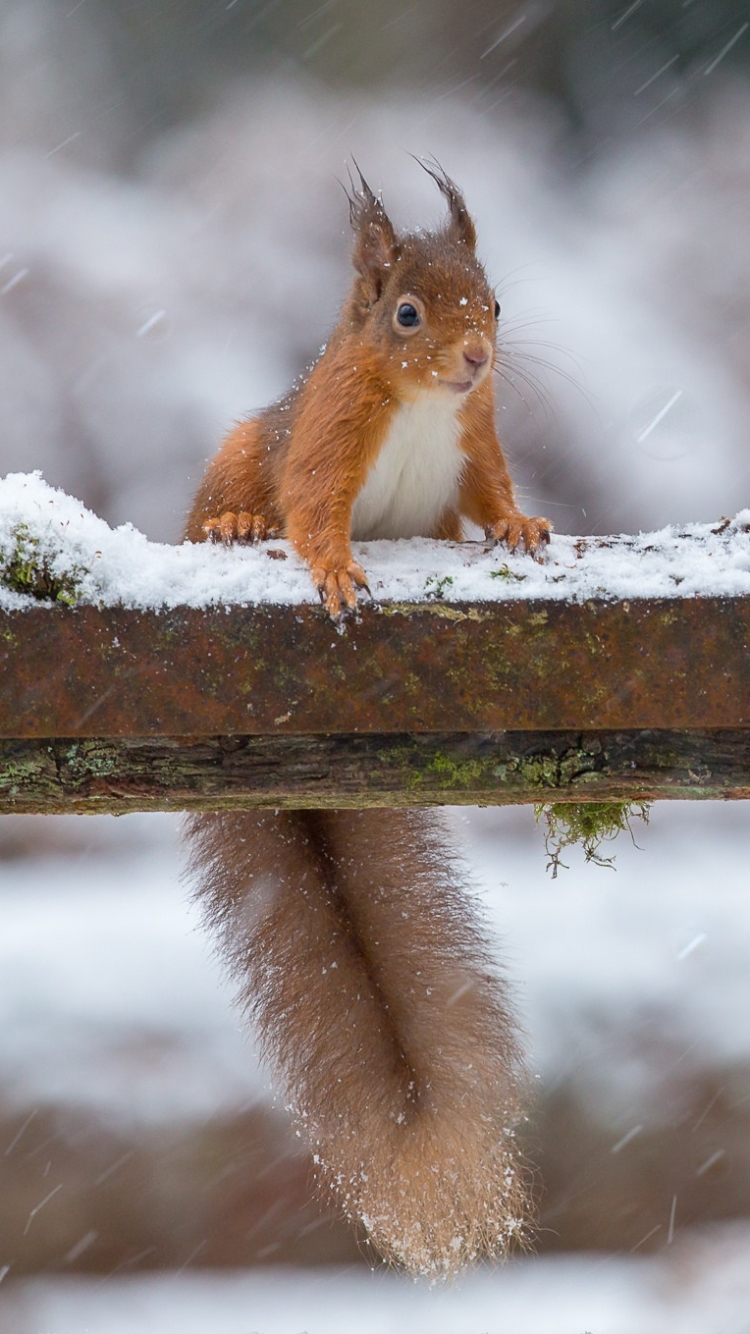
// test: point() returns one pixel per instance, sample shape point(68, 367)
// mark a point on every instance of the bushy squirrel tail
point(367, 972)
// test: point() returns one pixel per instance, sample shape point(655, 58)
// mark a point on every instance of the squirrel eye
point(407, 315)
point(497, 310)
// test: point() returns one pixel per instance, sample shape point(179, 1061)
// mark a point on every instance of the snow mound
point(53, 549)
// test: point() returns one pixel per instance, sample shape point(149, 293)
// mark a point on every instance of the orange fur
point(299, 466)
point(358, 954)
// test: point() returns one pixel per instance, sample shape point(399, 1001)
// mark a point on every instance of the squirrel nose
point(476, 357)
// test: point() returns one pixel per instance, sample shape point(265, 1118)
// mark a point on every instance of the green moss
point(447, 611)
point(27, 569)
point(436, 587)
point(539, 770)
point(458, 773)
point(588, 823)
point(507, 575)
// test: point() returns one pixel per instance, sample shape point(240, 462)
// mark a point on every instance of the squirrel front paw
point(518, 530)
point(242, 527)
point(336, 587)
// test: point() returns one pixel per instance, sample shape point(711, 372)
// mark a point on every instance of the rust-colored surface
point(82, 672)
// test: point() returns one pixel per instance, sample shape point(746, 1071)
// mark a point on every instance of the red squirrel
point(358, 954)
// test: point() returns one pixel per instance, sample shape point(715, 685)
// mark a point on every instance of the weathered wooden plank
point(429, 667)
point(94, 775)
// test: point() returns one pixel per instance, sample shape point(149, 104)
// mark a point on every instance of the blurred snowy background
point(173, 249)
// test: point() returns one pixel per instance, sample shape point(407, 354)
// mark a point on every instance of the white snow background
point(138, 316)
point(702, 1287)
point(101, 960)
point(98, 949)
point(141, 314)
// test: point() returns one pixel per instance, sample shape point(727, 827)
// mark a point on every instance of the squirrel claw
point(229, 528)
point(532, 534)
point(336, 588)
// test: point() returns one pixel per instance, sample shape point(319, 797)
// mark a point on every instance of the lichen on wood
point(115, 775)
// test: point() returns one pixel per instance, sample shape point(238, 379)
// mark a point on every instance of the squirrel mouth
point(459, 386)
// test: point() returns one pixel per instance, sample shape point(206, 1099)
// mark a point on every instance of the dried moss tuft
point(590, 823)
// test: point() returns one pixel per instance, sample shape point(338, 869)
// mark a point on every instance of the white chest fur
point(415, 477)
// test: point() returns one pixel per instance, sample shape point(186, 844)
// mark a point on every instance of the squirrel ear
point(461, 226)
point(375, 245)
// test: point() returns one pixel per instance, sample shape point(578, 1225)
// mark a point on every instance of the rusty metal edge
point(428, 667)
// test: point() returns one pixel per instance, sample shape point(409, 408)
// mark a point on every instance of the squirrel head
point(422, 300)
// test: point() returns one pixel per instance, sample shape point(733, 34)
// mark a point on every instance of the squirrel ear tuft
point(375, 245)
point(461, 226)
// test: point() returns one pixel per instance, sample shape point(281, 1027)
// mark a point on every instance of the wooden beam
point(433, 703)
point(95, 775)
point(677, 663)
